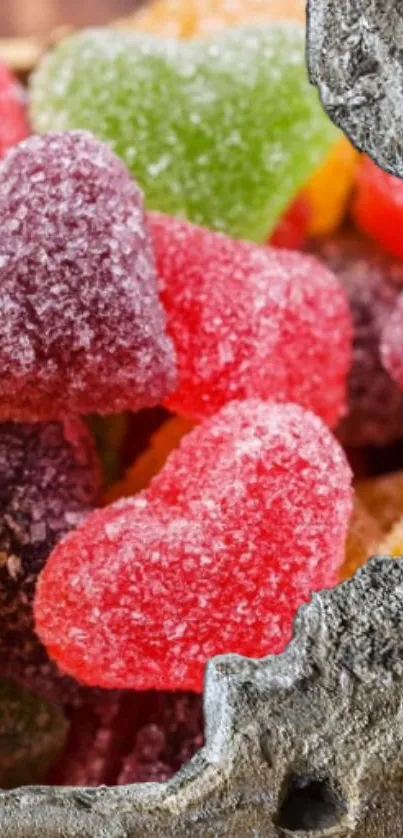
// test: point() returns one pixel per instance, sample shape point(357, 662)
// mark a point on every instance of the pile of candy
point(202, 350)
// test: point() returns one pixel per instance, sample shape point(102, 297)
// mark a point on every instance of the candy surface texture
point(81, 327)
point(243, 132)
point(247, 517)
point(250, 322)
point(327, 191)
point(49, 481)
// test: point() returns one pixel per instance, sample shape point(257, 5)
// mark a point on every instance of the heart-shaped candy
point(250, 321)
point(81, 326)
point(246, 518)
point(222, 131)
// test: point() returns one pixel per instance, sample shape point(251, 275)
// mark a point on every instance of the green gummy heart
point(221, 131)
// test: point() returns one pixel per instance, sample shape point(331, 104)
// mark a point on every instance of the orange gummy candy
point(194, 18)
point(363, 538)
point(329, 189)
point(392, 545)
point(150, 462)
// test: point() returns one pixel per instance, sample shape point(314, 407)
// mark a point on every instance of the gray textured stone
point(300, 745)
point(355, 57)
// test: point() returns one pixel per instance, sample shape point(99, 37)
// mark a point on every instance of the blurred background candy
point(14, 125)
point(49, 481)
point(378, 206)
point(373, 282)
point(32, 735)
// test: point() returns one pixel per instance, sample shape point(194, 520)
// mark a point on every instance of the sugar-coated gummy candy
point(383, 498)
point(372, 282)
point(13, 117)
point(363, 540)
point(149, 462)
point(392, 343)
point(247, 517)
point(377, 208)
point(32, 735)
point(195, 18)
point(250, 321)
point(81, 327)
point(243, 132)
point(49, 480)
point(327, 191)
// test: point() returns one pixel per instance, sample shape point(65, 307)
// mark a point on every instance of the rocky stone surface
point(307, 743)
point(355, 58)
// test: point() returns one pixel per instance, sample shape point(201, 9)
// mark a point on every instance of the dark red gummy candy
point(246, 518)
point(130, 737)
point(81, 326)
point(49, 480)
point(13, 119)
point(372, 281)
point(250, 321)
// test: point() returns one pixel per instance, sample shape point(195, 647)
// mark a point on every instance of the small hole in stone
point(309, 805)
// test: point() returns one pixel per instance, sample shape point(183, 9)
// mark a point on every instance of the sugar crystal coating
point(247, 517)
point(250, 322)
point(243, 132)
point(372, 281)
point(32, 734)
point(81, 327)
point(327, 191)
point(49, 480)
point(13, 118)
point(377, 208)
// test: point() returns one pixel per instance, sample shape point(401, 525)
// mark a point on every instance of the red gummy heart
point(81, 326)
point(247, 517)
point(250, 322)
